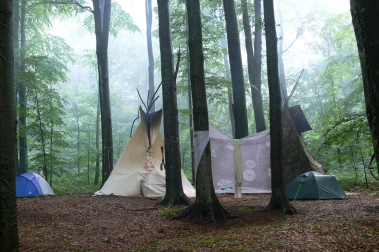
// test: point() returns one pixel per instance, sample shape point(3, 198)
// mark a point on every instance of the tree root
point(174, 200)
point(284, 206)
point(212, 212)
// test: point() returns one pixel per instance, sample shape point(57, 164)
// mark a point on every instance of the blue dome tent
point(30, 184)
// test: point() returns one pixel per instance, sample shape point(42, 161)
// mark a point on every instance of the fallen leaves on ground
point(112, 223)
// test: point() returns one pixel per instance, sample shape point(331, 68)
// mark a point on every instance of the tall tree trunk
point(149, 17)
point(282, 74)
point(239, 106)
point(207, 205)
point(42, 136)
point(77, 138)
point(97, 169)
point(254, 64)
point(23, 146)
point(224, 46)
point(16, 47)
point(279, 199)
point(366, 23)
point(8, 207)
point(190, 123)
point(257, 81)
point(51, 137)
point(174, 187)
point(102, 14)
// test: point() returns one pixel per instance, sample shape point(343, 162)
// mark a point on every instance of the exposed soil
point(111, 223)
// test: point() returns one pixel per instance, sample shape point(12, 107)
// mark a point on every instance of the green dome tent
point(314, 185)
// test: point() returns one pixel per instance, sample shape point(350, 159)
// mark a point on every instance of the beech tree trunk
point(22, 138)
point(16, 46)
point(254, 61)
point(174, 188)
point(366, 23)
point(97, 145)
point(224, 45)
point(207, 205)
point(282, 74)
point(8, 207)
point(239, 99)
point(102, 14)
point(279, 199)
point(149, 17)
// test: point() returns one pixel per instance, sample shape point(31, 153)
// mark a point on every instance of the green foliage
point(68, 181)
point(333, 102)
point(45, 109)
point(120, 20)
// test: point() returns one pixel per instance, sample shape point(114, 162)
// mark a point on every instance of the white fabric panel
point(255, 159)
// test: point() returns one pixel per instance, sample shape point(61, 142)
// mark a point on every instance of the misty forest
point(82, 70)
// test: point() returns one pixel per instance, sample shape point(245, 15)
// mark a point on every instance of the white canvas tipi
point(137, 171)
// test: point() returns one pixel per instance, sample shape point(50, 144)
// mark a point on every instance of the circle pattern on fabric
point(250, 164)
point(249, 175)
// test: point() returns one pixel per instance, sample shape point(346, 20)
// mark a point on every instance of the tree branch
point(87, 8)
point(177, 65)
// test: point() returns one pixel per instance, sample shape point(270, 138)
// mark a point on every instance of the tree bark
point(224, 45)
point(102, 13)
point(149, 17)
point(16, 48)
point(207, 205)
point(190, 123)
point(279, 199)
point(366, 22)
point(174, 188)
point(97, 168)
point(77, 137)
point(282, 74)
point(254, 62)
point(23, 145)
point(8, 207)
point(235, 59)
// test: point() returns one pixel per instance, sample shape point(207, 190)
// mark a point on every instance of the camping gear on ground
point(30, 184)
point(314, 185)
point(138, 170)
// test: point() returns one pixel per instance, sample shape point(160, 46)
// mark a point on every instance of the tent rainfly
point(30, 184)
point(313, 185)
point(138, 170)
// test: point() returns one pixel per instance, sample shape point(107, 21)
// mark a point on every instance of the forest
point(82, 69)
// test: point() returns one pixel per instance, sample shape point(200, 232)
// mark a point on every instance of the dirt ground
point(111, 223)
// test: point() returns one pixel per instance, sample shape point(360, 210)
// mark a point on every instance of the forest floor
point(111, 223)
